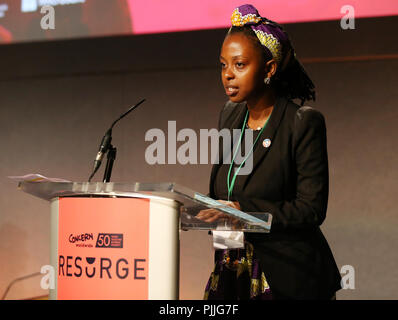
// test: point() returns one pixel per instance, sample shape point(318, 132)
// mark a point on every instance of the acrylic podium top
point(191, 202)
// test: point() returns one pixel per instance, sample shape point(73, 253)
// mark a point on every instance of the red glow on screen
point(155, 16)
point(20, 20)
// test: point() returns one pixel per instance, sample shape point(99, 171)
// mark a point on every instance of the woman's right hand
point(212, 215)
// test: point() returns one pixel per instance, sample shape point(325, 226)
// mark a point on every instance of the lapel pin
point(266, 143)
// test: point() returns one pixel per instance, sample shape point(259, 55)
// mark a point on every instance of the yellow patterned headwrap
point(268, 32)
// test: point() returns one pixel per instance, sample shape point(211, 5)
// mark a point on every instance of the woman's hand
point(212, 215)
point(232, 204)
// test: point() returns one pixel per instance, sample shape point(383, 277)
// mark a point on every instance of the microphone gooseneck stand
point(109, 163)
point(107, 147)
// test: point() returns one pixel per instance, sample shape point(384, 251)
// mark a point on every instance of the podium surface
point(121, 240)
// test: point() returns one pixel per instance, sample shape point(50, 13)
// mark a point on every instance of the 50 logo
point(109, 240)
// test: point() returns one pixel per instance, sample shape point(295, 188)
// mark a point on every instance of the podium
point(121, 240)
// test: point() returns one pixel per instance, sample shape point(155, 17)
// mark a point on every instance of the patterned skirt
point(237, 275)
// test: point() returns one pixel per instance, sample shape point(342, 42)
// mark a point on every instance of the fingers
point(231, 204)
point(210, 215)
point(227, 203)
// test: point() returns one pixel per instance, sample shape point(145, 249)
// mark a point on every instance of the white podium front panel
point(115, 248)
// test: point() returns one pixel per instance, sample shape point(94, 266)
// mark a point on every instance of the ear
point(270, 68)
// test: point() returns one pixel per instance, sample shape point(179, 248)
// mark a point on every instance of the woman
point(289, 179)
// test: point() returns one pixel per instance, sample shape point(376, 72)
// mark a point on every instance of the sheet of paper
point(35, 177)
point(228, 239)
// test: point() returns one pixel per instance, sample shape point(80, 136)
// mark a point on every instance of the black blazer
point(289, 180)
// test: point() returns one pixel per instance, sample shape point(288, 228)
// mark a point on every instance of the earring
point(267, 80)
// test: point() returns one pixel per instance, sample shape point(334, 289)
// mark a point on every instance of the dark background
point(58, 98)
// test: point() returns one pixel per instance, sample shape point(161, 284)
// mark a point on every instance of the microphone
point(103, 149)
point(106, 142)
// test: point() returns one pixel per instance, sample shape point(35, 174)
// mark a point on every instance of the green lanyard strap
point(231, 185)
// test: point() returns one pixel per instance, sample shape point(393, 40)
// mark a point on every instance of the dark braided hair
point(291, 81)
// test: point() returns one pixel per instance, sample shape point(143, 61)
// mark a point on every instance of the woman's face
point(242, 68)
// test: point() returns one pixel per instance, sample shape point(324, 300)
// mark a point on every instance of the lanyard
point(230, 185)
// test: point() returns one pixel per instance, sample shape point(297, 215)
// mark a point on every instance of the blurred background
point(60, 89)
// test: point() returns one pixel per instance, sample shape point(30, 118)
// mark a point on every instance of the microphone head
point(99, 156)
